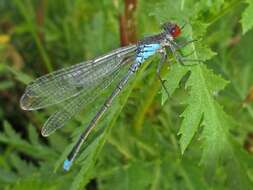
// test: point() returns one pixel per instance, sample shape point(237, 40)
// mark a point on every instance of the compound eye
point(175, 31)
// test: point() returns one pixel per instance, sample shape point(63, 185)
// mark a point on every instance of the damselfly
point(80, 84)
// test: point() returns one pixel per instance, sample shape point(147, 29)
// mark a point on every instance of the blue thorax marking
point(145, 51)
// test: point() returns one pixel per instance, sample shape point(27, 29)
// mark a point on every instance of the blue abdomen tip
point(67, 164)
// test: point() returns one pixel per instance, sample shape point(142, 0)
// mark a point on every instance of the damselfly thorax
point(156, 44)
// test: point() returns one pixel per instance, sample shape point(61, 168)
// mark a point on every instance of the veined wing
point(63, 84)
point(76, 104)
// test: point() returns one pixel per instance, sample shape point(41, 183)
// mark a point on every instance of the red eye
point(175, 31)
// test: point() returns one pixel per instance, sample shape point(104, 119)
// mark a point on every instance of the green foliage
point(194, 140)
point(246, 20)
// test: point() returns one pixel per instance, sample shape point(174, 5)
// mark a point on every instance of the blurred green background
point(137, 145)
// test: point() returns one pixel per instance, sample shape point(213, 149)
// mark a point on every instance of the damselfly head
point(173, 29)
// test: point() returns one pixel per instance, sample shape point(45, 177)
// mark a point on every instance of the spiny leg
point(178, 46)
point(181, 45)
point(179, 58)
point(185, 59)
point(187, 55)
point(158, 70)
point(175, 47)
point(182, 27)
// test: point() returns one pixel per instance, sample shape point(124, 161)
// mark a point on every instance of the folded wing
point(64, 84)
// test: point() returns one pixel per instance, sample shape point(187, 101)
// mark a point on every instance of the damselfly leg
point(158, 70)
point(182, 45)
point(180, 58)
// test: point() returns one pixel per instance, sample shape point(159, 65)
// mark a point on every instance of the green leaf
point(176, 73)
point(33, 135)
point(203, 110)
point(136, 175)
point(202, 84)
point(20, 76)
point(10, 132)
point(12, 138)
point(247, 17)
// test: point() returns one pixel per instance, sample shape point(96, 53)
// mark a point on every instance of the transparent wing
point(63, 84)
point(75, 104)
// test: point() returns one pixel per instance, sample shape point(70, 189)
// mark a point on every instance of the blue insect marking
point(145, 51)
point(67, 164)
